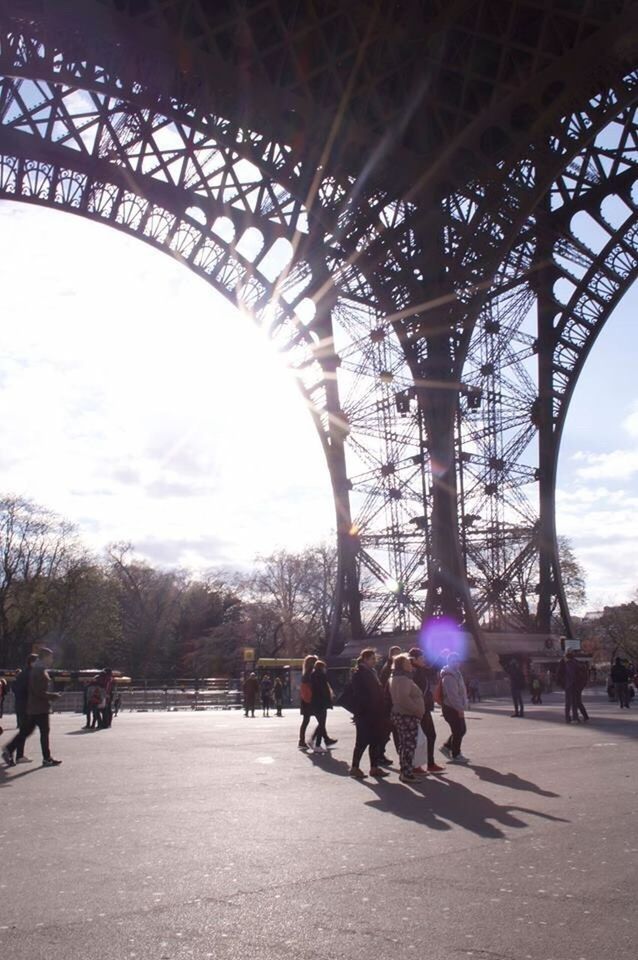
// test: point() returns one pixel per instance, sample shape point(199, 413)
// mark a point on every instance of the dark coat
point(251, 689)
point(421, 676)
point(619, 673)
point(20, 687)
point(369, 701)
point(517, 677)
point(321, 693)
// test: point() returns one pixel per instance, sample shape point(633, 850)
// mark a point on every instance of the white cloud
point(616, 465)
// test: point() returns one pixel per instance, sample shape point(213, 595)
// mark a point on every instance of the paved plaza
point(208, 835)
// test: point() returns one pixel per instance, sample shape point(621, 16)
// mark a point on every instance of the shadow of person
point(329, 763)
point(7, 780)
point(74, 733)
point(438, 803)
point(511, 780)
point(395, 798)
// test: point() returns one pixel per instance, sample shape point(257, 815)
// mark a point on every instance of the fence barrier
point(142, 697)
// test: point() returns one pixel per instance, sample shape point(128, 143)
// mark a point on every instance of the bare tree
point(38, 550)
point(293, 594)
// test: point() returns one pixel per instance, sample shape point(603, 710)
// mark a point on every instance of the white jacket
point(454, 692)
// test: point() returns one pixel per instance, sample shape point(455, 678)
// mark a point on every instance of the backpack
point(305, 691)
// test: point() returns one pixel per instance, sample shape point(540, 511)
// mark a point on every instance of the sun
point(144, 406)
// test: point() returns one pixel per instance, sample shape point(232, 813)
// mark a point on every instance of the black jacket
point(619, 673)
point(369, 701)
point(421, 676)
point(20, 687)
point(321, 695)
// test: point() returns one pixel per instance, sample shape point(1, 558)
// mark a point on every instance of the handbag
point(421, 752)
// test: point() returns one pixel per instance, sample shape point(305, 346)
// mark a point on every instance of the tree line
point(117, 610)
point(120, 611)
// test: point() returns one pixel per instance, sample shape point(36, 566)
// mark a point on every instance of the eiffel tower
point(430, 206)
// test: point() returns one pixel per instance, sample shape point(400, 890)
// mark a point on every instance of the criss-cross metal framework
point(430, 206)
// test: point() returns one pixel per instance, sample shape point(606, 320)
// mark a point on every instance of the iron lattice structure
point(430, 206)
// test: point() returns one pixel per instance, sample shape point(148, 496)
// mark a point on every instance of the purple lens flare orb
point(440, 637)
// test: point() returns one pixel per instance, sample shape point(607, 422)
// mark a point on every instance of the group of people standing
point(100, 704)
point(395, 702)
point(267, 690)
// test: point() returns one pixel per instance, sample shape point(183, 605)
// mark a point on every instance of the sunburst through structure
point(429, 206)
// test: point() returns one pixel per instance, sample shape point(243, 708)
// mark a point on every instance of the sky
point(140, 405)
point(137, 403)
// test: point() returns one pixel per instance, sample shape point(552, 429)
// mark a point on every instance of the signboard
point(249, 654)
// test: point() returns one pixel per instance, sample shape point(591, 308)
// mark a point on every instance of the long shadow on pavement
point(329, 764)
point(438, 803)
point(510, 780)
point(7, 780)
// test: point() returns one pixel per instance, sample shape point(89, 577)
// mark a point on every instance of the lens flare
point(438, 638)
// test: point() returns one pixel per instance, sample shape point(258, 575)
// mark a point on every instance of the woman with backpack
point(305, 698)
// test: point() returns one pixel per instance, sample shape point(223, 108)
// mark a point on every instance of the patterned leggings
point(406, 729)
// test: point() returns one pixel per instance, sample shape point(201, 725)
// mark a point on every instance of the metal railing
point(146, 695)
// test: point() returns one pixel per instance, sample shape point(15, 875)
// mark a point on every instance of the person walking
point(321, 702)
point(517, 685)
point(305, 698)
point(266, 693)
point(250, 691)
point(580, 682)
point(278, 695)
point(408, 709)
point(20, 689)
point(453, 706)
point(38, 710)
point(620, 679)
point(370, 716)
point(421, 676)
point(566, 678)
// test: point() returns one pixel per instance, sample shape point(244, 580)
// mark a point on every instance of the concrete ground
point(197, 835)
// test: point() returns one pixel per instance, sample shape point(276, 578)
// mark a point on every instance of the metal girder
point(377, 185)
